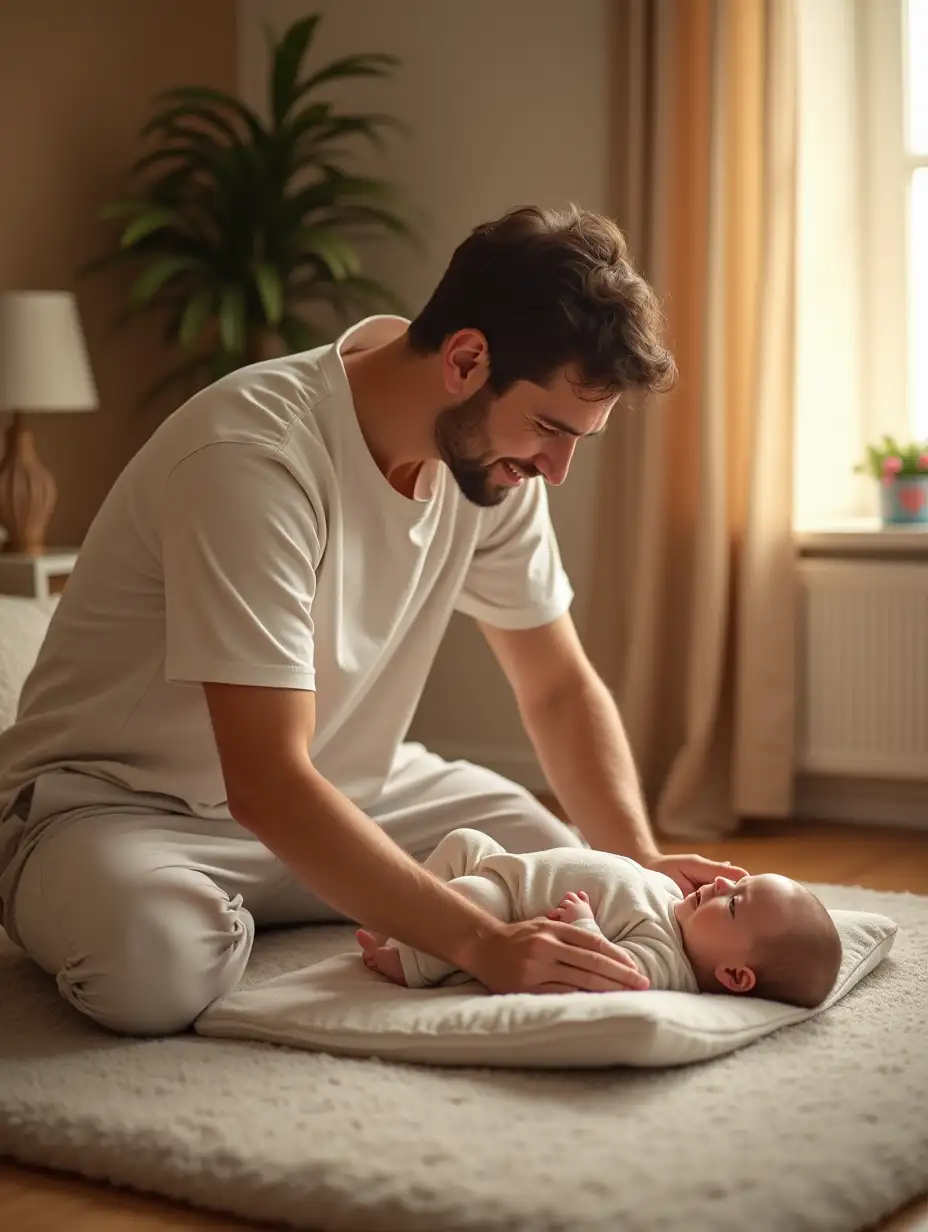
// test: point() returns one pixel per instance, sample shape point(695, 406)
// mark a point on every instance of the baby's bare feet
point(367, 939)
point(384, 959)
point(572, 907)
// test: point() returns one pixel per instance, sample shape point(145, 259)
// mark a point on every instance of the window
point(862, 245)
point(916, 150)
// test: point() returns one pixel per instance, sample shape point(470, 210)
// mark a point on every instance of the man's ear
point(466, 362)
point(736, 979)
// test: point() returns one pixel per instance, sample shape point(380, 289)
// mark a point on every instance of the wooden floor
point(882, 859)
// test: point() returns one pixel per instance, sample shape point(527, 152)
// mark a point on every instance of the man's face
point(494, 444)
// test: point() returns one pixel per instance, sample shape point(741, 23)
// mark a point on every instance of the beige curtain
point(694, 564)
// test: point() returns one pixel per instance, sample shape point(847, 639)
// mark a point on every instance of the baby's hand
point(573, 907)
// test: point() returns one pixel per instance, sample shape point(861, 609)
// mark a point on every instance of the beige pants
point(145, 917)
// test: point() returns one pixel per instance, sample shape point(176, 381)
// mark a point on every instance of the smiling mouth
point(698, 895)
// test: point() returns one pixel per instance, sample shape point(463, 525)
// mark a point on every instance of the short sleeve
point(240, 547)
point(516, 579)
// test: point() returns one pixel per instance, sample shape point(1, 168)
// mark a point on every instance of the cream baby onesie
point(633, 906)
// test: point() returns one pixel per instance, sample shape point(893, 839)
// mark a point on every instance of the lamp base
point(27, 493)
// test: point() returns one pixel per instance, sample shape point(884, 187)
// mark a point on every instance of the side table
point(37, 577)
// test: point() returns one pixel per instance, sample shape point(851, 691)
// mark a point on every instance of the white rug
point(821, 1126)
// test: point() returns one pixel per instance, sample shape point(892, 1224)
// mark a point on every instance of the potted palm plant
point(241, 226)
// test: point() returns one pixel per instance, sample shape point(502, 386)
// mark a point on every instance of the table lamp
point(43, 367)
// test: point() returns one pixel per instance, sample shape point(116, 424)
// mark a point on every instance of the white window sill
point(861, 536)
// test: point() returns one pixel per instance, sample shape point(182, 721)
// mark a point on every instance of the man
point(213, 735)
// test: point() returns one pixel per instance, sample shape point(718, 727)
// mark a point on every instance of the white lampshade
point(43, 356)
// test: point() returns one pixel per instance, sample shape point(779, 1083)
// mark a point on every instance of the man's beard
point(464, 445)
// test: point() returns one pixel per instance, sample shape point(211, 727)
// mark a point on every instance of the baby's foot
point(384, 959)
point(367, 939)
point(572, 907)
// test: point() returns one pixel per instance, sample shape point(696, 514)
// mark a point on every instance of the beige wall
point(507, 100)
point(76, 79)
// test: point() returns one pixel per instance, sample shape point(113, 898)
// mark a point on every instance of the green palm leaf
point(370, 64)
point(314, 115)
point(196, 314)
point(194, 95)
point(270, 289)
point(337, 254)
point(157, 276)
point(232, 319)
point(165, 121)
point(287, 62)
point(153, 219)
point(120, 209)
point(367, 126)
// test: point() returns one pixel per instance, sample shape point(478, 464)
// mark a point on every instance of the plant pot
point(904, 500)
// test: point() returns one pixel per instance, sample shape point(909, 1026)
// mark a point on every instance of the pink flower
point(923, 462)
point(891, 466)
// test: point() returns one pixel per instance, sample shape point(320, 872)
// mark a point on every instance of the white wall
point(507, 102)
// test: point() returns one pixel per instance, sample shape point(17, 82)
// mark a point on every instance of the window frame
point(885, 173)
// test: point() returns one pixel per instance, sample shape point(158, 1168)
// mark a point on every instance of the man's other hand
point(692, 871)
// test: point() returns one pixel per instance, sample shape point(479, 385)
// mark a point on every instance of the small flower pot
point(904, 500)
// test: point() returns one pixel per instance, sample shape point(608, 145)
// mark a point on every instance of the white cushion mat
point(339, 1006)
point(820, 1126)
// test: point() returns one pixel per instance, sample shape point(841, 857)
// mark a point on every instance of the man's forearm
point(345, 858)
point(581, 744)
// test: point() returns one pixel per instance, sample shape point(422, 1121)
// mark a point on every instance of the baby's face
point(722, 921)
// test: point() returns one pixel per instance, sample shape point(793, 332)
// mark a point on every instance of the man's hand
point(692, 871)
point(544, 956)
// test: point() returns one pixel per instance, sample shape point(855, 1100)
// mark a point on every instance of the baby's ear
point(736, 979)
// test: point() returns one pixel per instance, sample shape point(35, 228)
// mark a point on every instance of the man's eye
point(545, 430)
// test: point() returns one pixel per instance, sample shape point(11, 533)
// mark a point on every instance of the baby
point(764, 935)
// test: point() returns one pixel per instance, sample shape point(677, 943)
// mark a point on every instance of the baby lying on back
point(765, 936)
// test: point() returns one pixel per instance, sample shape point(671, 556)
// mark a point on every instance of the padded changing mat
point(339, 1007)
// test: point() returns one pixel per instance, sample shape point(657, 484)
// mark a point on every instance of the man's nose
point(555, 462)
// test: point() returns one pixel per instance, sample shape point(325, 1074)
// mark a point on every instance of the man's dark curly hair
point(551, 290)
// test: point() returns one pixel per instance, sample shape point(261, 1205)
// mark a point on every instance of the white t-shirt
point(253, 540)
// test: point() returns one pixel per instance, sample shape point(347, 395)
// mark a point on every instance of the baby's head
point(766, 935)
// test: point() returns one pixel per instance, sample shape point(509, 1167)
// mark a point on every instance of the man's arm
point(263, 736)
point(580, 741)
point(577, 734)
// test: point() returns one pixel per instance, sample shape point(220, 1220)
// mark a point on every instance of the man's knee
point(143, 954)
point(168, 962)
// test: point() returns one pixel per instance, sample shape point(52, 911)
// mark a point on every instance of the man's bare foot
point(384, 959)
point(573, 907)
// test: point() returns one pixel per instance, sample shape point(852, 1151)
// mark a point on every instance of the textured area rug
point(821, 1126)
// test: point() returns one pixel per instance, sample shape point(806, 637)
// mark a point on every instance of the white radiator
point(863, 669)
